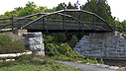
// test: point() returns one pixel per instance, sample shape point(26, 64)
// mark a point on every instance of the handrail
point(21, 18)
point(5, 25)
point(5, 18)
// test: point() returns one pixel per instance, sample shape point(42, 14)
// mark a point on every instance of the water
point(115, 62)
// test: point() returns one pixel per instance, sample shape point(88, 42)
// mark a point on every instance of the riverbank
point(93, 67)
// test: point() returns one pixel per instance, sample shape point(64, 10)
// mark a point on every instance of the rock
point(10, 60)
point(79, 61)
point(87, 63)
point(35, 42)
point(116, 68)
point(40, 53)
point(122, 68)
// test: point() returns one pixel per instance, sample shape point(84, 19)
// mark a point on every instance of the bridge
point(101, 45)
point(72, 20)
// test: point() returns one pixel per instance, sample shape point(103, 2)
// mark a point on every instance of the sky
point(117, 6)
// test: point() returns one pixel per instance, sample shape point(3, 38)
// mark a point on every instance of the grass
point(48, 67)
point(30, 63)
point(8, 45)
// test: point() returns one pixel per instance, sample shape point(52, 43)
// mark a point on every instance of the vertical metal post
point(93, 23)
point(64, 20)
point(80, 20)
point(12, 23)
point(43, 23)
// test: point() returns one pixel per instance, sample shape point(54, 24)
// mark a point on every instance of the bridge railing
point(68, 19)
point(56, 24)
point(6, 24)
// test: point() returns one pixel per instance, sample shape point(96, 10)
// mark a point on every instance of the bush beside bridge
point(61, 49)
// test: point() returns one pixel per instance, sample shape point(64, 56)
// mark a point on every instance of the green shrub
point(78, 55)
point(73, 41)
point(4, 39)
point(48, 39)
point(62, 51)
point(85, 61)
point(65, 49)
point(7, 45)
point(51, 49)
point(92, 60)
point(101, 61)
point(59, 37)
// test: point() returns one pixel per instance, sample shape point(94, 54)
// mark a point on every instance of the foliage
point(62, 6)
point(30, 63)
point(7, 45)
point(101, 61)
point(107, 67)
point(48, 39)
point(101, 8)
point(92, 60)
point(59, 37)
point(30, 8)
point(62, 51)
point(65, 49)
point(73, 41)
point(70, 6)
point(51, 50)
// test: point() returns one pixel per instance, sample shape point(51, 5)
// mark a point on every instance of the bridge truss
point(73, 20)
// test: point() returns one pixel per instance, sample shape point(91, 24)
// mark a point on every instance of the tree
point(29, 9)
point(70, 6)
point(8, 14)
point(101, 8)
point(61, 6)
point(18, 9)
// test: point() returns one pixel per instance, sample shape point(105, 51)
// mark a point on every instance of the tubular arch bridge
point(72, 20)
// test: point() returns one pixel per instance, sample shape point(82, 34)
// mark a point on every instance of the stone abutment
point(102, 45)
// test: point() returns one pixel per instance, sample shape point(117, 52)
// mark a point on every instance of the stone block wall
point(35, 43)
point(103, 45)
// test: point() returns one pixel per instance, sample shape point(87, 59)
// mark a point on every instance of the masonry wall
point(103, 45)
point(35, 42)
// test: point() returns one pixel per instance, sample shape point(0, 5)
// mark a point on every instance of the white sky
point(117, 6)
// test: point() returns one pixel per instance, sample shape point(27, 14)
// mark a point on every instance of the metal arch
point(76, 10)
point(57, 12)
point(24, 18)
point(72, 18)
point(40, 18)
point(32, 15)
point(67, 10)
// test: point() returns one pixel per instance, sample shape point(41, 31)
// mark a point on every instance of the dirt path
point(86, 67)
